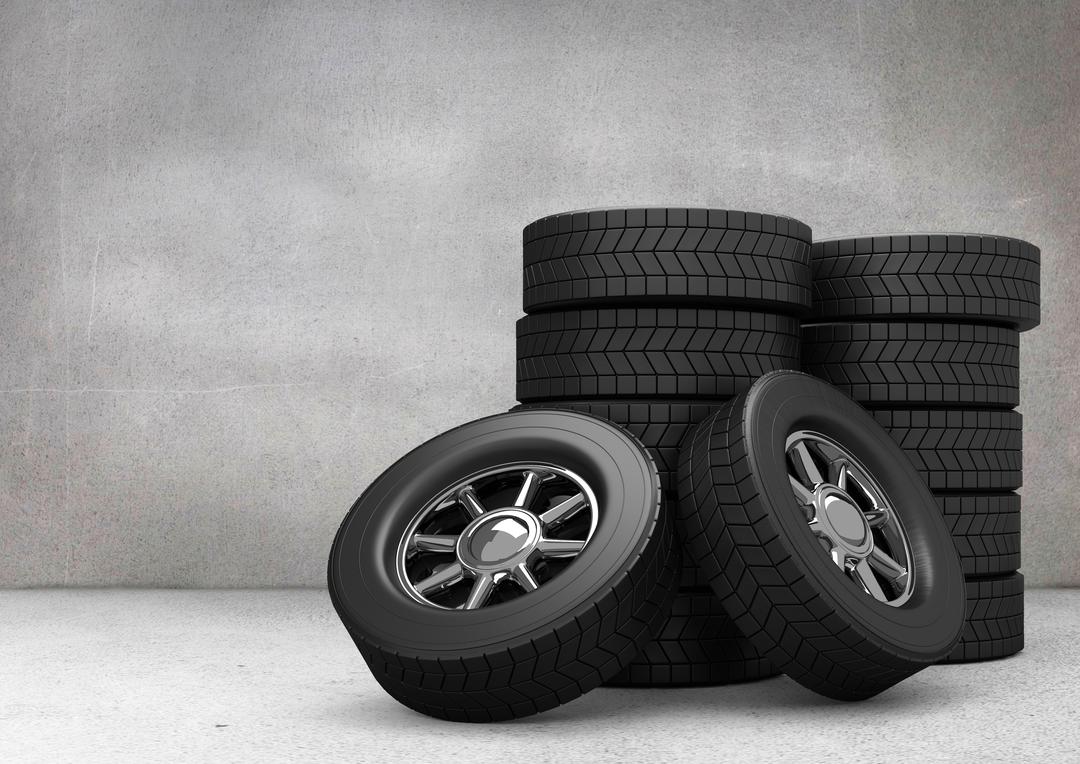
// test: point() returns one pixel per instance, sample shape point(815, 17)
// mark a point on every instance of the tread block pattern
point(539, 673)
point(957, 450)
point(880, 363)
point(985, 530)
point(771, 600)
point(698, 645)
point(650, 352)
point(759, 270)
point(976, 278)
point(995, 620)
point(649, 229)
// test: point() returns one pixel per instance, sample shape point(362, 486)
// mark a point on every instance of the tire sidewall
point(362, 580)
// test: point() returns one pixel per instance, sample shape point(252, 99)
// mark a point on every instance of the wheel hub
point(458, 554)
point(498, 539)
point(838, 512)
point(851, 516)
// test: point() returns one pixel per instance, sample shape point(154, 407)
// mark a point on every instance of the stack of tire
point(651, 318)
point(923, 330)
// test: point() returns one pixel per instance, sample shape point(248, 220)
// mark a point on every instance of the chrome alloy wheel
point(496, 535)
point(851, 516)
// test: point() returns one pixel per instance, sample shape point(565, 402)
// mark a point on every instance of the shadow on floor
point(760, 698)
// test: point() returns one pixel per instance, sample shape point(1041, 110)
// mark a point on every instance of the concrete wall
point(252, 252)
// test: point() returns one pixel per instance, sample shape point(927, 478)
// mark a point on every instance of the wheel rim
point(851, 516)
point(496, 535)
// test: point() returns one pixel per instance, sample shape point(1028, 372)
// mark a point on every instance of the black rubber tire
point(534, 652)
point(956, 450)
point(995, 620)
point(699, 645)
point(650, 353)
point(743, 527)
point(978, 279)
point(879, 364)
point(664, 256)
point(985, 530)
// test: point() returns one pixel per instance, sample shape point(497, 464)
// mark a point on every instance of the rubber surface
point(959, 276)
point(691, 577)
point(995, 620)
point(714, 258)
point(879, 363)
point(659, 425)
point(650, 353)
point(599, 226)
point(985, 530)
point(699, 645)
point(956, 450)
point(742, 525)
point(540, 649)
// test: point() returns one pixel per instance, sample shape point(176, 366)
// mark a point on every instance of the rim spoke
point(467, 497)
point(802, 493)
point(560, 547)
point(562, 513)
point(841, 468)
point(869, 581)
point(425, 542)
point(876, 518)
point(801, 455)
point(838, 557)
point(564, 510)
point(886, 565)
point(528, 490)
point(524, 578)
point(448, 576)
point(481, 590)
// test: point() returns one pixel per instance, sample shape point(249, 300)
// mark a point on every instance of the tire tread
point(958, 450)
point(650, 352)
point(930, 363)
point(964, 276)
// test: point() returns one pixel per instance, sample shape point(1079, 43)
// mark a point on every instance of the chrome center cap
point(498, 540)
point(839, 512)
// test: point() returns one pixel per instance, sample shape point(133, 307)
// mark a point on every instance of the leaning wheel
point(819, 538)
point(506, 566)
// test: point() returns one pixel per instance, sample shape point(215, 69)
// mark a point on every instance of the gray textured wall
point(250, 252)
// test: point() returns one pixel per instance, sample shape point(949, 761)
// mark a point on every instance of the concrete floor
point(173, 675)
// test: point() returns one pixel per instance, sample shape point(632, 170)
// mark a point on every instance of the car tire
point(957, 450)
point(901, 364)
point(525, 638)
point(963, 277)
point(763, 552)
point(985, 530)
point(649, 353)
point(667, 256)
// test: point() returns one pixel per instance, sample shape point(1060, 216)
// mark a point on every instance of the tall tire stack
point(652, 318)
point(923, 330)
point(674, 503)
